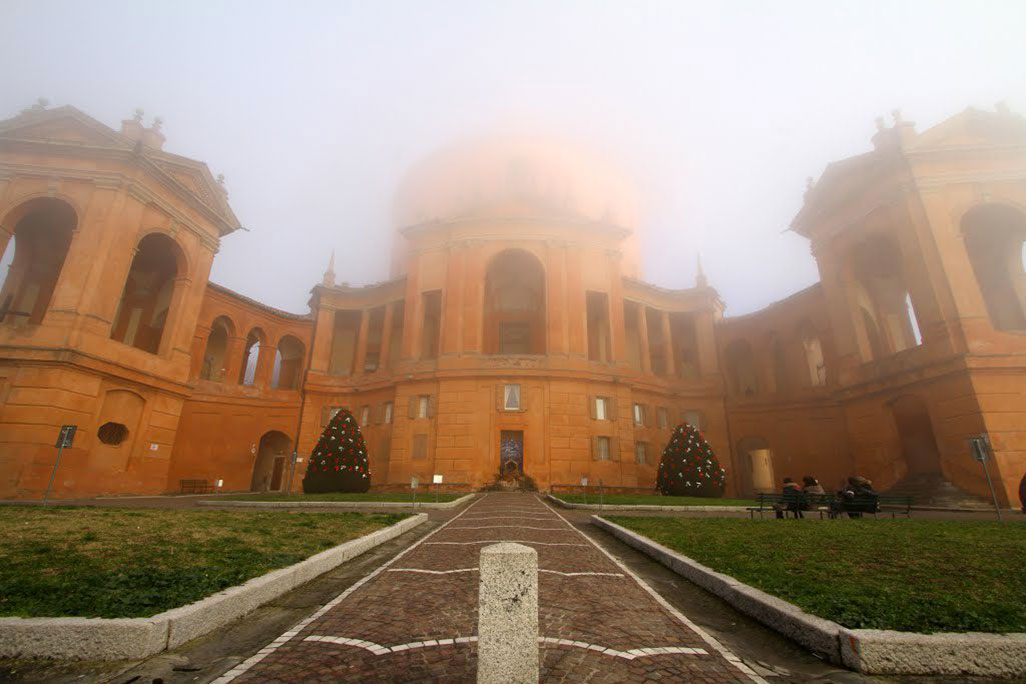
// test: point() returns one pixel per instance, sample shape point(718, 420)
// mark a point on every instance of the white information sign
point(437, 479)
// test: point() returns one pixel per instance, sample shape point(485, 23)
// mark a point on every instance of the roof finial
point(329, 275)
point(138, 114)
point(896, 115)
point(157, 123)
point(700, 279)
point(880, 125)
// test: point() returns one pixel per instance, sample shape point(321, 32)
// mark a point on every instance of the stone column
point(233, 359)
point(175, 315)
point(556, 313)
point(452, 306)
point(386, 337)
point(646, 358)
point(507, 615)
point(671, 365)
point(705, 341)
point(265, 366)
point(360, 360)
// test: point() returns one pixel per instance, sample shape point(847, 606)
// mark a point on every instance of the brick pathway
point(415, 618)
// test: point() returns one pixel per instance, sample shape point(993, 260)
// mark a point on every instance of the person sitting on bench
point(792, 501)
point(858, 497)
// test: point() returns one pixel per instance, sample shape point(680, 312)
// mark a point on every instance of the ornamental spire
point(329, 275)
point(700, 280)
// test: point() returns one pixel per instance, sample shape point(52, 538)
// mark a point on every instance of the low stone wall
point(351, 505)
point(870, 651)
point(645, 507)
point(136, 638)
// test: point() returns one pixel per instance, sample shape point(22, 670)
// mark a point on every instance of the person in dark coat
point(1022, 493)
point(810, 485)
point(792, 502)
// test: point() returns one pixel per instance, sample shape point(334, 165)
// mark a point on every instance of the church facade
point(515, 331)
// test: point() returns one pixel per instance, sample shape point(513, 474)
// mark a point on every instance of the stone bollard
point(507, 615)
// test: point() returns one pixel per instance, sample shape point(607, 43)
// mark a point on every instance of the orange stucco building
point(515, 330)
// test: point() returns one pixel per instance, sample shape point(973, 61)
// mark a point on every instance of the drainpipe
point(302, 395)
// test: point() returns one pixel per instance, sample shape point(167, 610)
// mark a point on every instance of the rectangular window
point(639, 415)
point(663, 417)
point(329, 413)
point(602, 448)
point(641, 453)
point(422, 406)
point(511, 398)
point(388, 412)
point(364, 415)
point(601, 408)
point(515, 338)
point(419, 447)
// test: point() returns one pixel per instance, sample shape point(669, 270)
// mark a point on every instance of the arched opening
point(741, 369)
point(781, 381)
point(251, 357)
point(886, 314)
point(42, 232)
point(995, 238)
point(146, 300)
point(270, 468)
point(214, 356)
point(756, 464)
point(514, 306)
point(812, 350)
point(288, 363)
point(918, 443)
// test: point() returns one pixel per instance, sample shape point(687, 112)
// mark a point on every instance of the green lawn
point(653, 500)
point(390, 497)
point(910, 575)
point(109, 562)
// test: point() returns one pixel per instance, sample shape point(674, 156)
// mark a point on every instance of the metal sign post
point(584, 489)
point(64, 439)
point(413, 485)
point(436, 480)
point(292, 472)
point(980, 448)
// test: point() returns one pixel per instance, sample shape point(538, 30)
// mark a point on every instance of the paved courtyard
point(415, 618)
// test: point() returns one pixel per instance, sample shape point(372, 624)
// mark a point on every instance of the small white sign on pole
point(437, 479)
point(220, 483)
point(584, 482)
point(414, 482)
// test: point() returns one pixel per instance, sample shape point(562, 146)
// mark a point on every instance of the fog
point(313, 111)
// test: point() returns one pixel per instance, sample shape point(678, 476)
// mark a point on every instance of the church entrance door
point(511, 453)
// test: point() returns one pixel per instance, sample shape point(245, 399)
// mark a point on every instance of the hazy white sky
point(314, 110)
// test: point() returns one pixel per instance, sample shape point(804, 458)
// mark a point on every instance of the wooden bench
point(832, 505)
point(195, 487)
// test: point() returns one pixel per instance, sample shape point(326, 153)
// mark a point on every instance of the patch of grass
point(653, 500)
point(109, 562)
point(393, 497)
point(909, 575)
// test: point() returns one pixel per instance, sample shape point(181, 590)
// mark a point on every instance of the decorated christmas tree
point(689, 466)
point(339, 461)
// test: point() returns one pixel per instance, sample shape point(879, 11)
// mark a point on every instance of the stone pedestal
point(507, 627)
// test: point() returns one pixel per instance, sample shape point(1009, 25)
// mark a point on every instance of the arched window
point(288, 363)
point(812, 350)
point(995, 238)
point(146, 300)
point(251, 357)
point(217, 348)
point(886, 315)
point(514, 306)
point(42, 232)
point(741, 369)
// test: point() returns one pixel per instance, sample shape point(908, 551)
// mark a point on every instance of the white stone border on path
point(645, 507)
point(341, 504)
point(871, 651)
point(136, 638)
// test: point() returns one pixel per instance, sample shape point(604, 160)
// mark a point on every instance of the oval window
point(112, 433)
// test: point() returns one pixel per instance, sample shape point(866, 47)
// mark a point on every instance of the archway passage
point(288, 363)
point(42, 235)
point(214, 357)
point(514, 306)
point(756, 462)
point(888, 318)
point(251, 357)
point(918, 443)
point(270, 470)
point(741, 374)
point(995, 238)
point(146, 300)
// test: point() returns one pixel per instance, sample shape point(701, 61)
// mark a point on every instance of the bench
point(195, 487)
point(831, 504)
